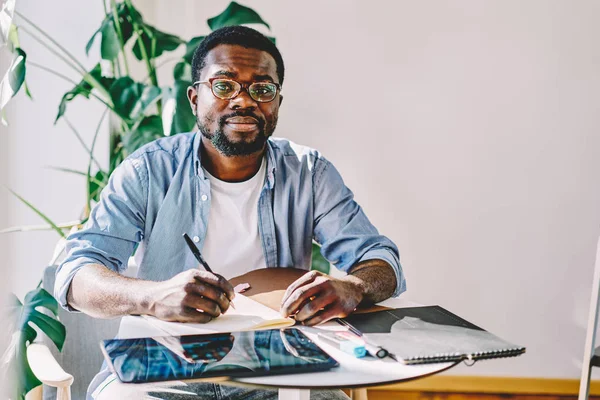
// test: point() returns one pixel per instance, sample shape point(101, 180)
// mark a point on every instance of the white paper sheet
point(247, 315)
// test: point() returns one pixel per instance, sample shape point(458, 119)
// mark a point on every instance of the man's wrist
point(144, 304)
point(358, 284)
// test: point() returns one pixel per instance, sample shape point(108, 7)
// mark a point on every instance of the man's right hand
point(191, 296)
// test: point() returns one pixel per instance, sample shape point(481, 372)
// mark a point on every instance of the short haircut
point(235, 35)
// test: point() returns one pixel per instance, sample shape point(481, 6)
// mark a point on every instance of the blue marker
point(347, 346)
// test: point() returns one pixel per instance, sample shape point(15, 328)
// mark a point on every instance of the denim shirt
point(160, 192)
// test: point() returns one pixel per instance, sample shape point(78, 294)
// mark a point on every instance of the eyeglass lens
point(260, 91)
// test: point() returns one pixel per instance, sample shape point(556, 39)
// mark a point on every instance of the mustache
point(224, 118)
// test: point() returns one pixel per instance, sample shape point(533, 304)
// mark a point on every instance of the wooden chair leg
point(358, 394)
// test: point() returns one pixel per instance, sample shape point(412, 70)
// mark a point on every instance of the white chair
point(591, 355)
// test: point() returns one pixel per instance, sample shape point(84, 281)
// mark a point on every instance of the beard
point(242, 148)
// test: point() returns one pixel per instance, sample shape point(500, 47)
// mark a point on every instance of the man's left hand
point(316, 297)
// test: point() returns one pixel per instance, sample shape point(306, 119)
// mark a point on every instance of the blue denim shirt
point(160, 192)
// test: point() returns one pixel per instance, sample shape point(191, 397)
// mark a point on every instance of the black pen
point(196, 252)
point(372, 349)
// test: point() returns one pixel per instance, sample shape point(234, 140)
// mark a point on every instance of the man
point(248, 201)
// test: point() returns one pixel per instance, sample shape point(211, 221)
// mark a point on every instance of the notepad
point(248, 315)
point(419, 335)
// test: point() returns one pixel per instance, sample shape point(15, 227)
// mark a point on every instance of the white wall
point(467, 130)
point(33, 142)
point(4, 267)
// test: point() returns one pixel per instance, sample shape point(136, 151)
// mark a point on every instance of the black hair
point(236, 35)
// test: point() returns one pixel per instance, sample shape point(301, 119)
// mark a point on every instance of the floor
point(388, 395)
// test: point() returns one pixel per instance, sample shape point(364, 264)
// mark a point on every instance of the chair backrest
point(590, 340)
point(81, 355)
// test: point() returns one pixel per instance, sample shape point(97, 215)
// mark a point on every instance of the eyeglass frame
point(243, 86)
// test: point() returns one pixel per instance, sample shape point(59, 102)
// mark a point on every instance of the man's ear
point(192, 96)
point(280, 99)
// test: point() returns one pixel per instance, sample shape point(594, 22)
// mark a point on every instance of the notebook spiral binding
point(457, 357)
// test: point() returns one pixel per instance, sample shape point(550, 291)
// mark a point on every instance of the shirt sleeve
point(341, 227)
point(110, 235)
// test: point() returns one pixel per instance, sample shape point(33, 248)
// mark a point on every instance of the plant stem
point(72, 171)
point(115, 14)
point(66, 225)
point(54, 42)
point(81, 141)
point(89, 168)
point(51, 50)
point(38, 212)
point(161, 64)
point(87, 77)
point(147, 60)
point(51, 71)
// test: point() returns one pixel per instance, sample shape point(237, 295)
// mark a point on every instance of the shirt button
point(196, 239)
point(204, 197)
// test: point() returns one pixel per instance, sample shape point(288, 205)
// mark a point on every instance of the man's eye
point(263, 90)
point(223, 87)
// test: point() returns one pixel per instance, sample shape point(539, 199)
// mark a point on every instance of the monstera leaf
point(131, 99)
point(24, 317)
point(150, 128)
point(83, 88)
point(190, 47)
point(155, 42)
point(14, 78)
point(236, 14)
point(110, 45)
point(177, 113)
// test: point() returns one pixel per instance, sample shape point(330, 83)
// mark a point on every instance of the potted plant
point(141, 110)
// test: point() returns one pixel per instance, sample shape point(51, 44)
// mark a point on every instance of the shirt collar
point(270, 160)
point(196, 155)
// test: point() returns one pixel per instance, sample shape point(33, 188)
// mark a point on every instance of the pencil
point(196, 252)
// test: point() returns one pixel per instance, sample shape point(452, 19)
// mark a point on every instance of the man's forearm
point(102, 293)
point(376, 278)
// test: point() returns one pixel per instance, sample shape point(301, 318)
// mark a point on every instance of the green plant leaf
point(38, 212)
point(14, 77)
point(131, 99)
point(24, 316)
point(182, 72)
point(110, 45)
point(83, 88)
point(149, 129)
point(96, 184)
point(6, 17)
point(190, 47)
point(236, 14)
point(156, 42)
point(182, 118)
point(319, 263)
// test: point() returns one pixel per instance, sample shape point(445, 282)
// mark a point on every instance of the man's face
point(239, 126)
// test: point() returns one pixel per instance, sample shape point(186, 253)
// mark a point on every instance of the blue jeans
point(205, 391)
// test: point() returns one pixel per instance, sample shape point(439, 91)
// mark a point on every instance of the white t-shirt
point(232, 245)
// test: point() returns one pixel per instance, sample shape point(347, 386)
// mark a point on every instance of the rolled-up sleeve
point(343, 230)
point(115, 226)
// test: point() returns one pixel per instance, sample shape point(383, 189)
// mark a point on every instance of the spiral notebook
point(419, 335)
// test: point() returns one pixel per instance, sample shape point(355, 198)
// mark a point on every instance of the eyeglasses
point(227, 89)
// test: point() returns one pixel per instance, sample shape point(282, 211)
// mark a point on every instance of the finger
point(216, 280)
point(210, 292)
point(202, 304)
point(311, 308)
point(192, 315)
point(324, 316)
point(303, 280)
point(299, 297)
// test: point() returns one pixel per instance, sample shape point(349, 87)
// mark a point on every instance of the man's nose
point(242, 100)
